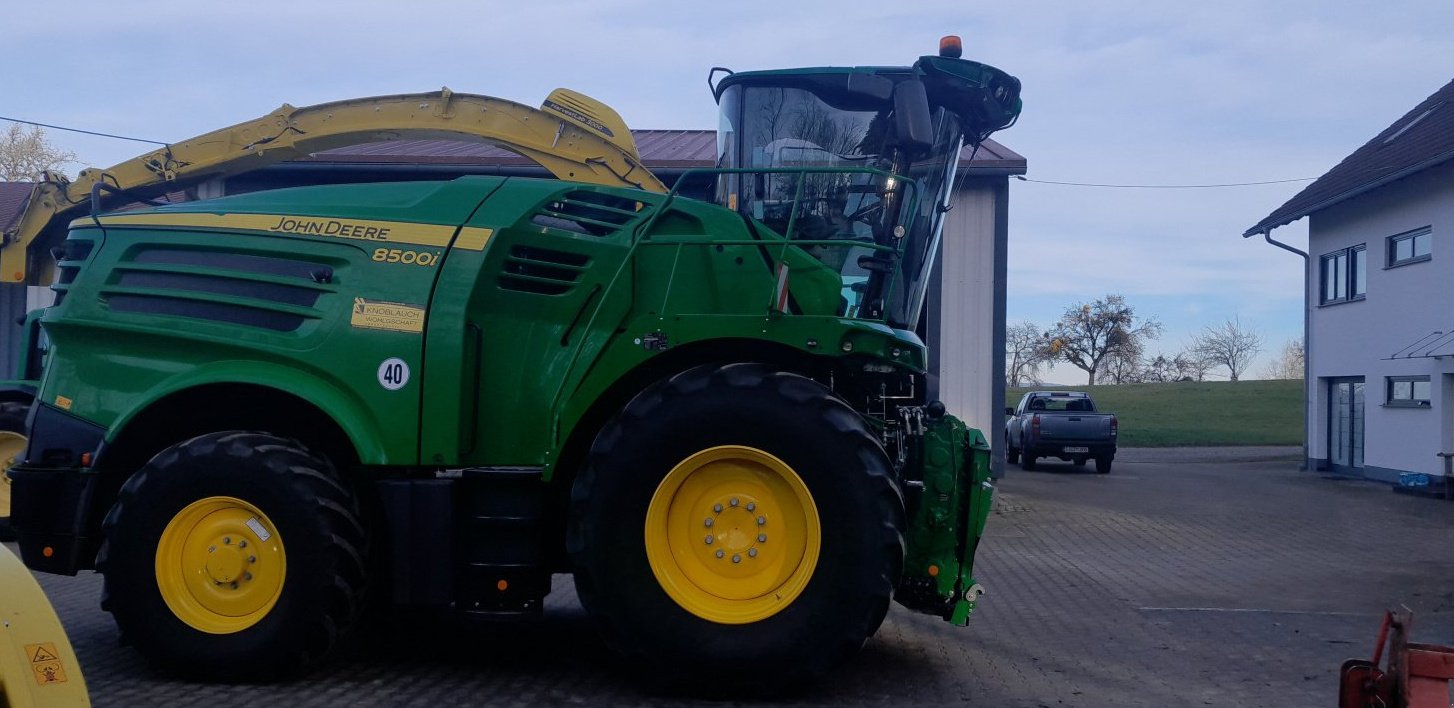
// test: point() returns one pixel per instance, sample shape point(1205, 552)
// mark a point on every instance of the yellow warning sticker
point(63, 403)
point(46, 663)
point(392, 316)
point(41, 652)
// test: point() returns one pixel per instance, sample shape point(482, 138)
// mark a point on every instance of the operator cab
point(856, 165)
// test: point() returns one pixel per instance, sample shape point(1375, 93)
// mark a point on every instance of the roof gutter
point(1266, 227)
point(1307, 336)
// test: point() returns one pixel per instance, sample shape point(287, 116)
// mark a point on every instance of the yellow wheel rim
point(220, 565)
point(732, 535)
point(12, 446)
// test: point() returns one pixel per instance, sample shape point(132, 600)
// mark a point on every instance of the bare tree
point(1088, 333)
point(1229, 344)
point(1123, 365)
point(1190, 366)
point(1158, 369)
point(25, 153)
point(1289, 363)
point(1026, 351)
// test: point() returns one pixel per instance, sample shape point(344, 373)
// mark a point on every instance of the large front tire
point(235, 557)
point(12, 446)
point(804, 520)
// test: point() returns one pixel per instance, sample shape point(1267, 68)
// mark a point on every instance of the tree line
point(1107, 340)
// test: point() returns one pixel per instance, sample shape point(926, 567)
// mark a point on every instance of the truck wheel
point(12, 446)
point(736, 530)
point(1103, 464)
point(233, 556)
point(1027, 459)
point(1012, 455)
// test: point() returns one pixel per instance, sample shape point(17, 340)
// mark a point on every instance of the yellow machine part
point(573, 136)
point(37, 665)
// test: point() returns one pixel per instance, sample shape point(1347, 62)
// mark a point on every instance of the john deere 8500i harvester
point(709, 408)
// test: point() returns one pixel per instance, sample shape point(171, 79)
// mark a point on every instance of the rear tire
point(1027, 459)
point(1103, 465)
point(12, 446)
point(197, 574)
point(684, 631)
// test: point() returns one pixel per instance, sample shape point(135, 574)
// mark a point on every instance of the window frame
point(1390, 401)
point(1394, 240)
point(1350, 274)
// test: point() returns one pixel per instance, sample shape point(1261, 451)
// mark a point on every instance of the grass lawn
point(1206, 413)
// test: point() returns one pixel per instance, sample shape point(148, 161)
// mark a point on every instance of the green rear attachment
point(947, 518)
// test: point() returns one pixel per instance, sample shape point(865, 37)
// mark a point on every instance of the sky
point(1115, 92)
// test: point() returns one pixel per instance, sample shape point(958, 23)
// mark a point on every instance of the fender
point(348, 411)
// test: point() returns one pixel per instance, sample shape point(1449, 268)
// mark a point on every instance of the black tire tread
point(819, 654)
point(309, 478)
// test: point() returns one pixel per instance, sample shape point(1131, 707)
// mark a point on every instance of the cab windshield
point(833, 179)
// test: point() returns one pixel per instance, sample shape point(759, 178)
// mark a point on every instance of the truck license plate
point(1077, 449)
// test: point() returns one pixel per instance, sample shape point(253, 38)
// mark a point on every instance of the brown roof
point(12, 200)
point(668, 149)
point(1422, 138)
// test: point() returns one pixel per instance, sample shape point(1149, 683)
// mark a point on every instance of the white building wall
point(968, 378)
point(1402, 305)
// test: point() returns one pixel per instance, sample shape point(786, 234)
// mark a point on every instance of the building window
point(1408, 391)
point(1410, 247)
point(1345, 274)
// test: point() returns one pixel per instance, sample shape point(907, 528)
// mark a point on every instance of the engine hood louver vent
point(587, 213)
point(542, 271)
point(271, 293)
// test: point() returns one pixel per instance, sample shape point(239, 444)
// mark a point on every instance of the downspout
point(1307, 343)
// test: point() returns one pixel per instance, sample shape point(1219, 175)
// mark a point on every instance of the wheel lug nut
point(762, 538)
point(752, 553)
point(226, 540)
point(717, 508)
point(709, 539)
point(707, 523)
point(234, 585)
point(248, 576)
point(242, 544)
point(253, 559)
point(733, 502)
point(752, 506)
point(720, 553)
point(761, 520)
point(211, 549)
point(736, 558)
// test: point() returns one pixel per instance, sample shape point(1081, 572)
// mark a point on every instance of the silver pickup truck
point(1063, 424)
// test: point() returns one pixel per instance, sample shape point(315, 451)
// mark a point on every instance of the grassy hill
point(1206, 413)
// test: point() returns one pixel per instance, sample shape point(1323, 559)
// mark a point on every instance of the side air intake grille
point(542, 271)
point(587, 213)
point(267, 292)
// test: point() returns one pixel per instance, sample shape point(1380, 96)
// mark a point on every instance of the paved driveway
point(1172, 581)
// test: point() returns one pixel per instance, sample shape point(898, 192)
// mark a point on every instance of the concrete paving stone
point(1183, 578)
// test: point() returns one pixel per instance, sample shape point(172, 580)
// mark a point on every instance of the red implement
point(1417, 675)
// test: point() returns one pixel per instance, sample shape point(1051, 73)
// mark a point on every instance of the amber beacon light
point(950, 46)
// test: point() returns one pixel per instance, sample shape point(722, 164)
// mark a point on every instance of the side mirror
point(1009, 410)
point(911, 117)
